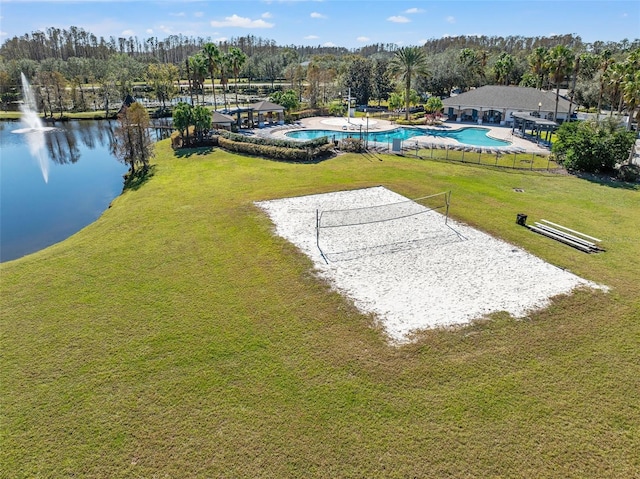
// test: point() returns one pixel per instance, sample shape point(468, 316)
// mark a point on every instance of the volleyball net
point(379, 227)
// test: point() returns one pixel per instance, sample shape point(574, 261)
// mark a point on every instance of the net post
point(318, 236)
point(447, 198)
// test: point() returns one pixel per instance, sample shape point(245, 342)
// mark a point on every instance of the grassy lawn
point(520, 161)
point(178, 337)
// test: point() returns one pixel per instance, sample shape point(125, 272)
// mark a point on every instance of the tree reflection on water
point(82, 178)
point(63, 143)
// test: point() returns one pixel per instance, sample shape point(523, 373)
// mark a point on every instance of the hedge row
point(308, 113)
point(282, 153)
point(353, 145)
point(291, 144)
point(411, 122)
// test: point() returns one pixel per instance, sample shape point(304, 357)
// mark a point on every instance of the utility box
point(396, 146)
point(521, 219)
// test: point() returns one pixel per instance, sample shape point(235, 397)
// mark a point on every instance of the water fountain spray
point(33, 128)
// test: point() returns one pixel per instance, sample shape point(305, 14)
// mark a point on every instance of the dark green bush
point(352, 145)
point(315, 143)
point(281, 153)
point(308, 113)
point(592, 147)
point(629, 173)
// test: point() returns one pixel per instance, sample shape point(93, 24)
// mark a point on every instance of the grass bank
point(178, 337)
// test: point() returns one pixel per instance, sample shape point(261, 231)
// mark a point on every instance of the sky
point(342, 23)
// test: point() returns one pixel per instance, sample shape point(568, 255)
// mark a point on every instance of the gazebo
point(539, 126)
point(222, 121)
point(267, 114)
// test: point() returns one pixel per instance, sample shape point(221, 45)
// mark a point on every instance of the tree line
point(74, 70)
point(62, 44)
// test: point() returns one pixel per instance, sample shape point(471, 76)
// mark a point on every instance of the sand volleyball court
point(413, 270)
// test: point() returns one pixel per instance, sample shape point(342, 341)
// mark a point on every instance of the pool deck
point(376, 124)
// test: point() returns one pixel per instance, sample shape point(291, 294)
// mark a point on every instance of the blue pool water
point(467, 136)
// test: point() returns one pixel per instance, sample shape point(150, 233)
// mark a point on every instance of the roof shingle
point(499, 97)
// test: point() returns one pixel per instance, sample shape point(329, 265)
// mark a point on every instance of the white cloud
point(451, 19)
point(398, 19)
point(149, 31)
point(414, 10)
point(3, 34)
point(128, 33)
point(311, 37)
point(266, 15)
point(241, 22)
point(329, 44)
point(198, 14)
point(363, 39)
point(178, 14)
point(317, 15)
point(220, 39)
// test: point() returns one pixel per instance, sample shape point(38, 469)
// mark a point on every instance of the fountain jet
point(33, 128)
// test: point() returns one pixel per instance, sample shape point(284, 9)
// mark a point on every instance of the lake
point(39, 208)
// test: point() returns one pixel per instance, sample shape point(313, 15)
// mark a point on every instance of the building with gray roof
point(497, 104)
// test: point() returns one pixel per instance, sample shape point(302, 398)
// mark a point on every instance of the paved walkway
point(375, 124)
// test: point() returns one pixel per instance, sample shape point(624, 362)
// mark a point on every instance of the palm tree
point(606, 61)
point(615, 77)
point(474, 63)
point(212, 53)
point(631, 93)
point(560, 64)
point(631, 84)
point(576, 69)
point(225, 69)
point(198, 66)
point(538, 64)
point(182, 120)
point(187, 62)
point(238, 59)
point(503, 67)
point(408, 62)
point(201, 118)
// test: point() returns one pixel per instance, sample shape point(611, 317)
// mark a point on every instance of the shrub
point(287, 99)
point(418, 121)
point(592, 147)
point(629, 173)
point(317, 142)
point(352, 145)
point(308, 113)
point(283, 153)
point(179, 140)
point(336, 108)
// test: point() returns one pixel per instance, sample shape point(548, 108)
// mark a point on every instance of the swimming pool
point(468, 136)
